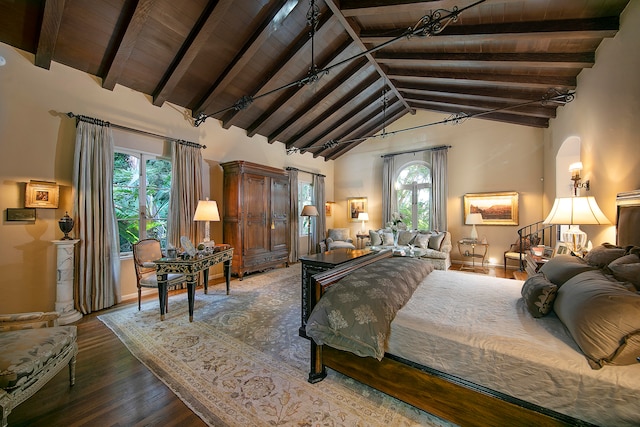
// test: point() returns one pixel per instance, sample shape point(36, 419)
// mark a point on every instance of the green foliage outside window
point(137, 206)
point(413, 191)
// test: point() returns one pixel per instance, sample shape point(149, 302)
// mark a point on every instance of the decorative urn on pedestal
point(66, 225)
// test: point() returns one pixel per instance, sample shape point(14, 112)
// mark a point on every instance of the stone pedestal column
point(65, 277)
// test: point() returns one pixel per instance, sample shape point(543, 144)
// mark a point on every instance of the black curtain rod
point(439, 147)
point(291, 168)
point(143, 132)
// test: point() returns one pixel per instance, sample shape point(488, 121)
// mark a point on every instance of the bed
point(464, 364)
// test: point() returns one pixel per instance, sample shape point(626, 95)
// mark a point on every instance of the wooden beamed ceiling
point(243, 62)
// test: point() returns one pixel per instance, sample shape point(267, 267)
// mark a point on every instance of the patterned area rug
point(241, 361)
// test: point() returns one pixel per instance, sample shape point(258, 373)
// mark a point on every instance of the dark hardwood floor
point(112, 387)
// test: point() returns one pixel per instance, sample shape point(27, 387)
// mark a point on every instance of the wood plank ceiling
point(215, 56)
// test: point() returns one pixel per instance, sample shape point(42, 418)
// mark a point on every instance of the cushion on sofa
point(561, 268)
point(387, 238)
point(604, 254)
point(435, 240)
point(422, 240)
point(406, 237)
point(602, 316)
point(627, 268)
point(538, 294)
point(374, 238)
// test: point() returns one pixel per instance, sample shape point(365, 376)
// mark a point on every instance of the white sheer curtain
point(294, 214)
point(98, 284)
point(319, 231)
point(439, 188)
point(186, 190)
point(389, 202)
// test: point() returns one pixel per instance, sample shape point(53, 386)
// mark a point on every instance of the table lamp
point(473, 219)
point(576, 211)
point(363, 216)
point(309, 211)
point(207, 210)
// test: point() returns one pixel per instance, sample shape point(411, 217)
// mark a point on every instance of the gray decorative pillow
point(387, 238)
point(435, 240)
point(603, 318)
point(603, 255)
point(538, 294)
point(627, 268)
point(374, 238)
point(406, 237)
point(561, 268)
point(422, 240)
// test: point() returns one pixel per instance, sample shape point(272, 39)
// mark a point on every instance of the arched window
point(413, 190)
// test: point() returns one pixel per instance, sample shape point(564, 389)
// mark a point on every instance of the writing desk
point(191, 268)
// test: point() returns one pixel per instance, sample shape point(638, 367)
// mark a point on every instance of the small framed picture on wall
point(355, 205)
point(41, 194)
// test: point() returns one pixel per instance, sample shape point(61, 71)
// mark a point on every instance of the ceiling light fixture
point(429, 25)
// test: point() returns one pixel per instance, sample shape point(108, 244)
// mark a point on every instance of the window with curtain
point(413, 191)
point(305, 197)
point(141, 188)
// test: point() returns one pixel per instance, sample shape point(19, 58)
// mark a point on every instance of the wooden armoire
point(256, 216)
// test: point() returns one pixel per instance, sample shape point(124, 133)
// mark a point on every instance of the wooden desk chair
point(144, 253)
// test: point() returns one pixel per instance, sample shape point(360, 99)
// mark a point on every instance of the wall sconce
point(575, 169)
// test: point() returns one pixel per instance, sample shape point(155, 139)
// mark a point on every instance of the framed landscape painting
point(355, 205)
point(495, 208)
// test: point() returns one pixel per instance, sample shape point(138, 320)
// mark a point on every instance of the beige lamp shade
point(473, 219)
point(207, 210)
point(576, 211)
point(309, 210)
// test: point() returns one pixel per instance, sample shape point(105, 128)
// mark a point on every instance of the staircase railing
point(547, 233)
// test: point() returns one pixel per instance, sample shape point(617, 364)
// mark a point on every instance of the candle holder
point(66, 225)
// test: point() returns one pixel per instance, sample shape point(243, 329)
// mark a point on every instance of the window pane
point(305, 197)
point(424, 207)
point(415, 173)
point(126, 180)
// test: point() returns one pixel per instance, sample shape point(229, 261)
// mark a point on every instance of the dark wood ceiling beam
point(335, 108)
point(317, 99)
point(535, 60)
point(535, 110)
point(484, 90)
point(375, 7)
point(209, 20)
point(563, 28)
point(270, 78)
point(244, 55)
point(287, 96)
point(495, 78)
point(128, 43)
point(498, 116)
point(354, 32)
point(340, 150)
point(51, 19)
point(337, 126)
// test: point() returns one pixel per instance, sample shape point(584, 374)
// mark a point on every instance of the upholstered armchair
point(34, 350)
point(339, 238)
point(517, 250)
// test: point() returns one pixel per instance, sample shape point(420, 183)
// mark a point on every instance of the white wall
point(37, 142)
point(486, 156)
point(605, 117)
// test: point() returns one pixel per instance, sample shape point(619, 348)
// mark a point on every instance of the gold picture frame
point(42, 194)
point(355, 205)
point(496, 208)
point(328, 208)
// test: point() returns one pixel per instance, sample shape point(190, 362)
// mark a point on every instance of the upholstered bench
point(34, 350)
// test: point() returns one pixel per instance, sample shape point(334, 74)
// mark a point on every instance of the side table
point(361, 241)
point(471, 248)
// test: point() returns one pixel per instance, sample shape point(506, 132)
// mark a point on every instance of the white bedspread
point(477, 328)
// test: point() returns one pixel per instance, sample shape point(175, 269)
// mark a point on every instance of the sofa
point(431, 246)
point(34, 350)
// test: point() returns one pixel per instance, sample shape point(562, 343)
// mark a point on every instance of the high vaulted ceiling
point(211, 56)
